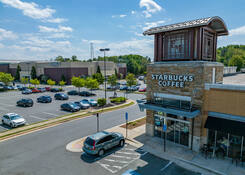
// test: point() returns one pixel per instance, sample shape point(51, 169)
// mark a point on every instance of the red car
point(142, 89)
point(47, 88)
point(35, 90)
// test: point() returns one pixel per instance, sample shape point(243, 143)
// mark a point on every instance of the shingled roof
point(216, 23)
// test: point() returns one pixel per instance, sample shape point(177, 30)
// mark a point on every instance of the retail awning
point(187, 114)
point(225, 125)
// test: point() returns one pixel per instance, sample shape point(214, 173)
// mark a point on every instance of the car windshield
point(14, 117)
point(73, 105)
point(89, 141)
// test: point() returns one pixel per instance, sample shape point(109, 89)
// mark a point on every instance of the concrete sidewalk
point(180, 155)
point(175, 153)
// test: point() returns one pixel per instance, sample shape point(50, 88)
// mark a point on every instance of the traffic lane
point(51, 142)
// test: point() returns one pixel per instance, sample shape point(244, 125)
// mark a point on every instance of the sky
point(45, 29)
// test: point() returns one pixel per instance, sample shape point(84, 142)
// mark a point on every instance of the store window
point(177, 46)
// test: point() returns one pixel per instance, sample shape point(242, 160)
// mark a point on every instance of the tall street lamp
point(104, 50)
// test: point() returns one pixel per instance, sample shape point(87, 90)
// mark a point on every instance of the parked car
point(72, 92)
point(141, 78)
point(92, 102)
point(23, 88)
point(123, 87)
point(61, 96)
point(44, 99)
point(8, 87)
point(13, 120)
point(47, 88)
point(86, 94)
point(19, 86)
point(98, 143)
point(54, 90)
point(82, 104)
point(25, 102)
point(142, 89)
point(27, 91)
point(72, 107)
point(35, 90)
point(42, 89)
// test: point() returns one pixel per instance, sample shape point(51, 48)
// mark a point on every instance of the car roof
point(11, 114)
point(99, 135)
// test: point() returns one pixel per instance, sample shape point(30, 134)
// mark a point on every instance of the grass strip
point(51, 123)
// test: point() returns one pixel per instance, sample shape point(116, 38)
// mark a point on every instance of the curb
point(6, 135)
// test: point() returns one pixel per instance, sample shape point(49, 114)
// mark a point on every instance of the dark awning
point(225, 125)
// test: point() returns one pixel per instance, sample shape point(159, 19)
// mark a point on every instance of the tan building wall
point(202, 73)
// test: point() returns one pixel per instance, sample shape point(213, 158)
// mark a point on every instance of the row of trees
point(232, 55)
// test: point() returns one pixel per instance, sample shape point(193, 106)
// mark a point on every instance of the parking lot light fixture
point(104, 50)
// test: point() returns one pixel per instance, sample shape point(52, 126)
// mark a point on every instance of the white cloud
point(34, 10)
point(55, 30)
point(55, 20)
point(153, 24)
point(94, 41)
point(6, 34)
point(151, 7)
point(238, 31)
point(122, 16)
point(133, 12)
point(138, 34)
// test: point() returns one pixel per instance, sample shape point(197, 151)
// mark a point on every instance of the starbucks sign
point(172, 80)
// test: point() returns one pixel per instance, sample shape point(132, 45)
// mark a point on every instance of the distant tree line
point(232, 55)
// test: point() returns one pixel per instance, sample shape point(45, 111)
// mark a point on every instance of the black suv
point(54, 90)
point(25, 102)
point(44, 99)
point(86, 94)
point(61, 96)
point(72, 92)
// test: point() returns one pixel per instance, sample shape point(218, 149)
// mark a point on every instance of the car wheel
point(121, 143)
point(11, 125)
point(101, 152)
point(3, 122)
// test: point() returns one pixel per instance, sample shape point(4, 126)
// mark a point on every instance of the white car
point(13, 120)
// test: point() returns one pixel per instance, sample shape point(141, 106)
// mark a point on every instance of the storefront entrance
point(177, 128)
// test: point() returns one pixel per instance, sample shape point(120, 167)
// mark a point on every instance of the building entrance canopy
point(159, 108)
point(216, 121)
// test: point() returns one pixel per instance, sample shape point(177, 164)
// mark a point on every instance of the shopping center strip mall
point(187, 102)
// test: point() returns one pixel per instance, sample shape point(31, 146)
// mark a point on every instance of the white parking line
point(107, 167)
point(51, 114)
point(136, 154)
point(36, 117)
point(119, 161)
point(166, 166)
point(125, 157)
point(6, 105)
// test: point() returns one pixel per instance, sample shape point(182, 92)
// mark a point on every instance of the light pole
point(104, 50)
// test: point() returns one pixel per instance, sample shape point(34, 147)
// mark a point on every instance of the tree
point(98, 70)
point(99, 77)
point(35, 82)
point(116, 73)
point(24, 80)
point(59, 58)
point(62, 83)
point(50, 82)
point(131, 80)
point(6, 78)
point(63, 78)
point(91, 83)
point(112, 80)
point(17, 75)
point(33, 73)
point(236, 61)
point(74, 58)
point(78, 82)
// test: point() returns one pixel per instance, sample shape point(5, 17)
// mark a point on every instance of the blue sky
point(44, 29)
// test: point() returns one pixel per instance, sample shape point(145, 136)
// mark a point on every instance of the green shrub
point(2, 89)
point(60, 89)
point(118, 100)
point(31, 87)
point(101, 101)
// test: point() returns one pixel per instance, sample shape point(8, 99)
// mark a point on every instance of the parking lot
point(119, 160)
point(43, 111)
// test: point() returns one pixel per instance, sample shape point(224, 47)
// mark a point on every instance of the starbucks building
point(186, 101)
